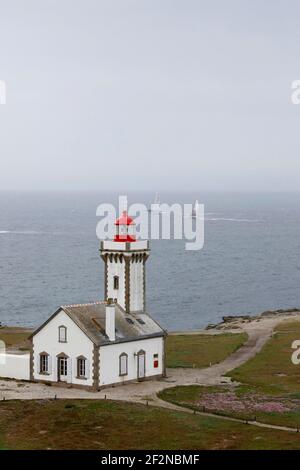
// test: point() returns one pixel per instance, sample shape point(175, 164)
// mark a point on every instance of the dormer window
point(116, 282)
point(62, 334)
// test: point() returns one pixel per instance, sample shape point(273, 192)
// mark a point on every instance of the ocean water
point(250, 261)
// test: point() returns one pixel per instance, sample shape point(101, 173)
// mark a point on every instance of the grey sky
point(154, 94)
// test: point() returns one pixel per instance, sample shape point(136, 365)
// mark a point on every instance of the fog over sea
point(250, 261)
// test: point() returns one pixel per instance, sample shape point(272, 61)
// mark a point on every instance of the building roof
point(90, 318)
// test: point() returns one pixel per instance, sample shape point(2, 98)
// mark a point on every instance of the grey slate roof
point(91, 320)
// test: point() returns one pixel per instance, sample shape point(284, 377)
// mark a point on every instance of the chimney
point(110, 320)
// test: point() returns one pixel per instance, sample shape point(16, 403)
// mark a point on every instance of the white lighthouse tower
point(125, 259)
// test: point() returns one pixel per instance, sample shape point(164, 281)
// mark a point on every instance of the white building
point(111, 342)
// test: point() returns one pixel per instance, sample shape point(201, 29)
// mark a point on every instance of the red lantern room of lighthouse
point(124, 260)
point(125, 229)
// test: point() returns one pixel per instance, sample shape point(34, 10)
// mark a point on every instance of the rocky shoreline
point(234, 321)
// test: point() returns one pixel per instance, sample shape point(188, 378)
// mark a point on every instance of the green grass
point(2, 447)
point(272, 371)
point(208, 399)
point(269, 380)
point(186, 395)
point(15, 338)
point(201, 350)
point(101, 424)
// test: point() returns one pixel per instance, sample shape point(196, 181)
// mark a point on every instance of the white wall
point(109, 359)
point(15, 366)
point(116, 269)
point(136, 286)
point(121, 246)
point(78, 344)
point(136, 283)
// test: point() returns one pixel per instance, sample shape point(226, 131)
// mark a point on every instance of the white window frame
point(63, 366)
point(62, 338)
point(81, 363)
point(123, 364)
point(44, 363)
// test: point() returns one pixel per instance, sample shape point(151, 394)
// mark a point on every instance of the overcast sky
point(153, 94)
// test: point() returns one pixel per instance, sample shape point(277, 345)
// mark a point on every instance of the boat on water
point(195, 210)
point(155, 206)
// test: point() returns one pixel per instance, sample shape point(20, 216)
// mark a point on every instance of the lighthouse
point(124, 259)
point(103, 343)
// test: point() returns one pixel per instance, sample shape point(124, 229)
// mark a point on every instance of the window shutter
point(55, 372)
point(49, 365)
point(69, 371)
point(87, 369)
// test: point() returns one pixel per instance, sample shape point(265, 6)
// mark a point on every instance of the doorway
point(141, 364)
point(62, 368)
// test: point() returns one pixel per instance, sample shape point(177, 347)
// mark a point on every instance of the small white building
point(111, 342)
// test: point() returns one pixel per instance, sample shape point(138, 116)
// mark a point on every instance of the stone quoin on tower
point(125, 259)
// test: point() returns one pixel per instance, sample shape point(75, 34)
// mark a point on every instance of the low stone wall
point(15, 366)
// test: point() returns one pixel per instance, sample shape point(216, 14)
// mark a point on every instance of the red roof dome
point(124, 219)
point(125, 228)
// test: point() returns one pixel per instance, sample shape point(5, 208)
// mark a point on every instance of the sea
point(250, 261)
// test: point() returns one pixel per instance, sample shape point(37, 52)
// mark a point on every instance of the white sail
point(195, 211)
point(155, 206)
point(157, 199)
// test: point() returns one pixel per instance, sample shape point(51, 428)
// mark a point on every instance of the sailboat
point(155, 206)
point(195, 210)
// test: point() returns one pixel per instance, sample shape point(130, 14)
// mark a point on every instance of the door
point(62, 369)
point(141, 365)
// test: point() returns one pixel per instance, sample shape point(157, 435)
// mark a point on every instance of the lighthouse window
point(116, 282)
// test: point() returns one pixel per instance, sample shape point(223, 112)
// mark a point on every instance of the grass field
point(201, 350)
point(272, 371)
point(15, 337)
point(269, 390)
point(101, 424)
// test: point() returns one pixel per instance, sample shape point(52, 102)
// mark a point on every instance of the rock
point(268, 313)
point(211, 326)
point(231, 318)
point(280, 311)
